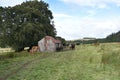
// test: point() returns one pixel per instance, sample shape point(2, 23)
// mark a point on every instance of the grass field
point(86, 62)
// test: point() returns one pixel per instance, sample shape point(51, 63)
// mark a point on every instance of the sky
point(76, 19)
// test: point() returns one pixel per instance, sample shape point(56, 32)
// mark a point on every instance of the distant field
point(86, 62)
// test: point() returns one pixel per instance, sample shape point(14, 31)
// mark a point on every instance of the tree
point(61, 39)
point(114, 37)
point(23, 25)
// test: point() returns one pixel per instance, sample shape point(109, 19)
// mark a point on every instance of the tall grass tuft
point(110, 56)
point(11, 55)
point(16, 54)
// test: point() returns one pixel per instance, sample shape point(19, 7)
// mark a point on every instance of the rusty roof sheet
point(54, 40)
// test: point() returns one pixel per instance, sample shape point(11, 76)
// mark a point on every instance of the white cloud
point(102, 6)
point(10, 2)
point(75, 27)
point(93, 3)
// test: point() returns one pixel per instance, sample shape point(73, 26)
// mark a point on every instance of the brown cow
point(34, 49)
point(72, 46)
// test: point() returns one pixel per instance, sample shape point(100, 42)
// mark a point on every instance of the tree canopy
point(61, 39)
point(23, 25)
point(114, 37)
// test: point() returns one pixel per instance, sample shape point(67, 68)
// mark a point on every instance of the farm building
point(49, 44)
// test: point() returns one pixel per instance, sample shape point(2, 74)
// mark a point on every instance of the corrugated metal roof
point(54, 40)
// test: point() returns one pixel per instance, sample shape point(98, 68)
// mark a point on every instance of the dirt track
point(22, 67)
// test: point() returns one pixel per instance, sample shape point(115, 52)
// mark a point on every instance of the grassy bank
point(86, 62)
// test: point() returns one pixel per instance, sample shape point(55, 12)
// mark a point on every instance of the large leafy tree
point(23, 25)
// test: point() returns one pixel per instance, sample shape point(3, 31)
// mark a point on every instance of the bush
point(78, 43)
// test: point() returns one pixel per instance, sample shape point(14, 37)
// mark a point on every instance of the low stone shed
point(49, 44)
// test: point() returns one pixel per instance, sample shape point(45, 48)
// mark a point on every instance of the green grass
point(86, 62)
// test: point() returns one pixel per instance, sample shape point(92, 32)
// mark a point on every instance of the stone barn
point(49, 44)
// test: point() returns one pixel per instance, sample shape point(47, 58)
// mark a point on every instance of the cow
point(34, 49)
point(72, 46)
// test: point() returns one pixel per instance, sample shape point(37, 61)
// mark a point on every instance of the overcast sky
point(75, 19)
